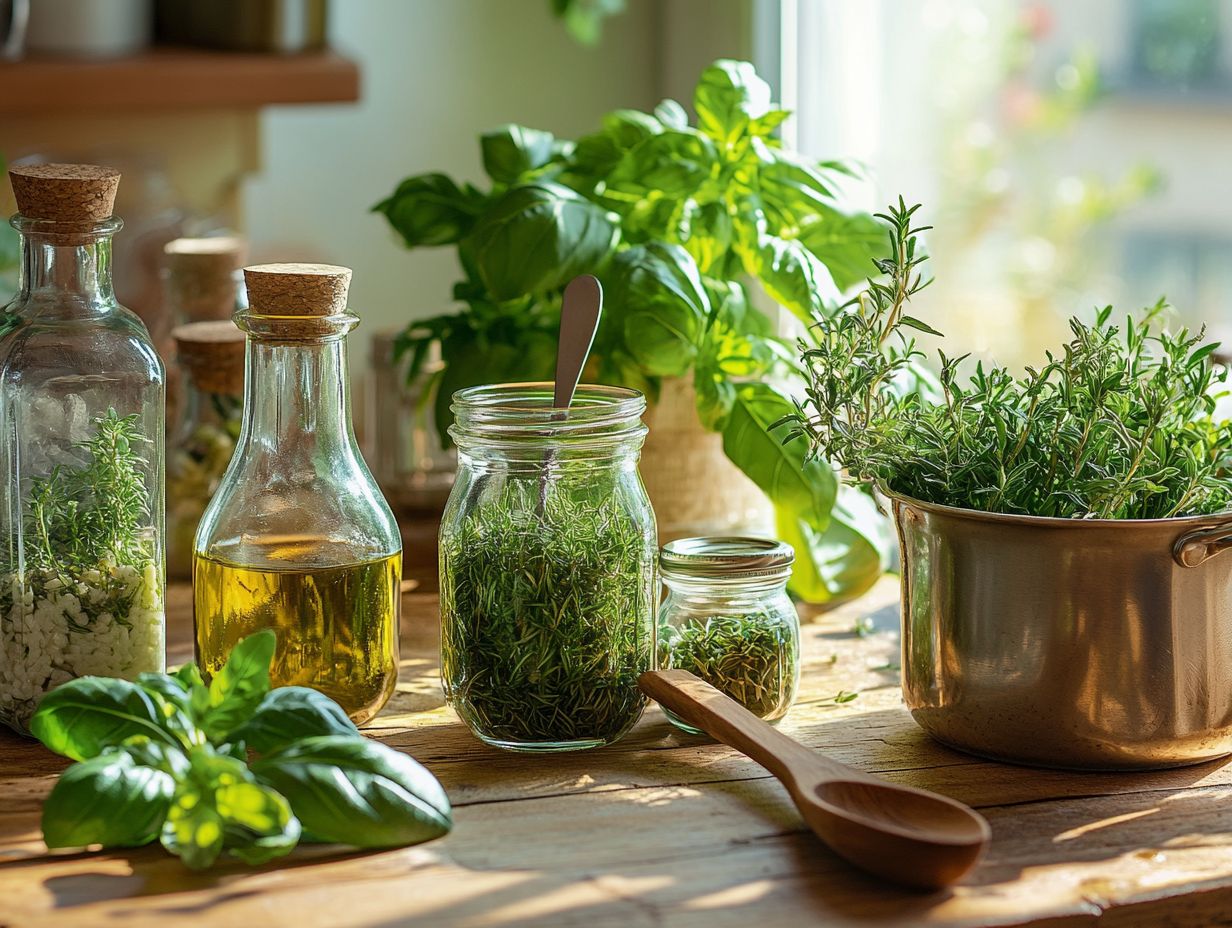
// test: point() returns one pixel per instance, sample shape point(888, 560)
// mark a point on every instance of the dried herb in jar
point(752, 658)
point(547, 617)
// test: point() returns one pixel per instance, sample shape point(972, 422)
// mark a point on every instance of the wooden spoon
point(907, 835)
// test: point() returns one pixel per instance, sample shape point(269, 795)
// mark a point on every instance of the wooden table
point(665, 829)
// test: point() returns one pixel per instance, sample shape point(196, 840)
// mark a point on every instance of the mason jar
point(727, 618)
point(81, 411)
point(547, 567)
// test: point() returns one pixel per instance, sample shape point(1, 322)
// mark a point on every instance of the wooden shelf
point(174, 78)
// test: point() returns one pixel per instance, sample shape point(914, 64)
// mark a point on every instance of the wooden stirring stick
point(906, 835)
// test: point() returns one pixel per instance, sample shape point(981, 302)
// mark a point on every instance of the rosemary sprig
point(546, 613)
point(78, 516)
point(1116, 425)
point(753, 658)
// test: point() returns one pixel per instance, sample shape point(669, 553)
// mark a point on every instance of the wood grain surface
point(664, 829)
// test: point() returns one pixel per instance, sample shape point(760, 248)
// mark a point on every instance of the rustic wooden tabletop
point(666, 829)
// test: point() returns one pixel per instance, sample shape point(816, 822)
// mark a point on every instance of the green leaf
point(729, 97)
point(793, 277)
point(538, 237)
point(656, 298)
point(195, 829)
point(430, 209)
point(706, 233)
point(597, 154)
point(109, 800)
point(847, 558)
point(84, 717)
point(919, 325)
point(354, 791)
point(150, 753)
point(846, 243)
point(291, 713)
point(511, 152)
point(258, 824)
point(672, 164)
point(671, 114)
point(240, 686)
point(794, 484)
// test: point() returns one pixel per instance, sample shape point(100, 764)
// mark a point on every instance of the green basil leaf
point(289, 714)
point(715, 396)
point(706, 233)
point(793, 277)
point(791, 184)
point(511, 152)
point(156, 754)
point(805, 488)
point(672, 164)
point(258, 824)
point(765, 125)
point(656, 297)
point(538, 237)
point(846, 243)
point(847, 558)
point(671, 114)
point(84, 717)
point(595, 155)
point(240, 686)
point(430, 209)
point(728, 98)
point(193, 829)
point(109, 800)
point(358, 792)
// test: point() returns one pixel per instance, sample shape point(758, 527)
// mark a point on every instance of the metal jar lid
point(726, 556)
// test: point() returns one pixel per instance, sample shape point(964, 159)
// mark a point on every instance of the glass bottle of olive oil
point(298, 538)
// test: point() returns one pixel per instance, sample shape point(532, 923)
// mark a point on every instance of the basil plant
point(679, 222)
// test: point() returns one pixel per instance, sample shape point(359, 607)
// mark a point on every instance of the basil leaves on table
point(167, 758)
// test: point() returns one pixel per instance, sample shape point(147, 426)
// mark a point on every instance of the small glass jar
point(81, 411)
point(298, 538)
point(727, 618)
point(211, 355)
point(547, 567)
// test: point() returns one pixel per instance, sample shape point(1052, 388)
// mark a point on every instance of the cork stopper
point(201, 276)
point(213, 354)
point(75, 196)
point(297, 289)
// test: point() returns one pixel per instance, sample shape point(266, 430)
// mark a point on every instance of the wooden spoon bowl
point(906, 835)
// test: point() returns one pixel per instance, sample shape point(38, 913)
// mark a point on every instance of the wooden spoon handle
point(703, 706)
point(579, 320)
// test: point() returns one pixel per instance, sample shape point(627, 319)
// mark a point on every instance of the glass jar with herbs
point(298, 538)
point(81, 409)
point(211, 355)
point(728, 619)
point(547, 567)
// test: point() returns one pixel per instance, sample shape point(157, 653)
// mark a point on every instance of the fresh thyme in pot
point(547, 615)
point(1117, 425)
point(753, 658)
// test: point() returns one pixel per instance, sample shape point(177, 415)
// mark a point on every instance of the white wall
point(435, 74)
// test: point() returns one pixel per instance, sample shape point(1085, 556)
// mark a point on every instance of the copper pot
point(1096, 644)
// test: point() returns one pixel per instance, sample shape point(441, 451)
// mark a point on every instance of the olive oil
point(337, 623)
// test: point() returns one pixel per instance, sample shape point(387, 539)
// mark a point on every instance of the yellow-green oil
point(337, 625)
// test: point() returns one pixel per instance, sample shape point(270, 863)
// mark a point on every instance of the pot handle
point(1193, 548)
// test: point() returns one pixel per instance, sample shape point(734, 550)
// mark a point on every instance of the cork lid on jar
point(201, 276)
point(308, 290)
point(213, 354)
point(76, 196)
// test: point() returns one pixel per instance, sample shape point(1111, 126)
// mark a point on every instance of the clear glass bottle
point(728, 619)
point(298, 538)
point(547, 567)
point(81, 412)
point(211, 356)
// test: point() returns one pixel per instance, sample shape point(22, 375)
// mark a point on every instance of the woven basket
point(694, 489)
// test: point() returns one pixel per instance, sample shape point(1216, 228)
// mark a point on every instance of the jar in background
point(202, 277)
point(211, 356)
point(727, 618)
point(298, 538)
point(547, 567)
point(81, 406)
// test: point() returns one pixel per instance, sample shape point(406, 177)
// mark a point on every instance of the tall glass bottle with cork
point(81, 420)
point(298, 538)
point(211, 357)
